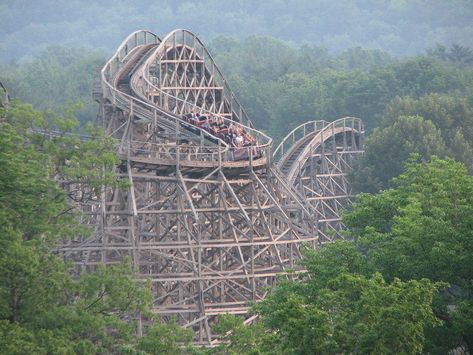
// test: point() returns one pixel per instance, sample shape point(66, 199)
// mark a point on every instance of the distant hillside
point(399, 27)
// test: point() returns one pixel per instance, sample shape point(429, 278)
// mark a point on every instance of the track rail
point(313, 138)
point(299, 133)
point(137, 102)
point(315, 158)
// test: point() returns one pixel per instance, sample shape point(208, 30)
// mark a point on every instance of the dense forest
point(398, 26)
point(403, 280)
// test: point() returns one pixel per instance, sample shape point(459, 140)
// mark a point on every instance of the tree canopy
point(422, 229)
point(442, 126)
point(399, 27)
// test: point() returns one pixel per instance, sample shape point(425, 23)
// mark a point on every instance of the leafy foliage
point(238, 338)
point(307, 83)
point(336, 309)
point(422, 229)
point(434, 124)
point(45, 305)
point(56, 77)
point(388, 148)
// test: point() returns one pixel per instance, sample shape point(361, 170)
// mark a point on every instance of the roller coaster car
point(242, 153)
point(196, 130)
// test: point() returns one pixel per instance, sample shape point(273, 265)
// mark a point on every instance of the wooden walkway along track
point(211, 225)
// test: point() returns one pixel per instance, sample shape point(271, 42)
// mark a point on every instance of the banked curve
point(297, 147)
point(195, 155)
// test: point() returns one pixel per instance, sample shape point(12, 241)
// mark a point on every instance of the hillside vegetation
point(399, 27)
point(403, 281)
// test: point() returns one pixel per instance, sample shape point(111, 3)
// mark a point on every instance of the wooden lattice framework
point(210, 225)
point(315, 158)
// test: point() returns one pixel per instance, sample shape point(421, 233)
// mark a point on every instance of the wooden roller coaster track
point(211, 225)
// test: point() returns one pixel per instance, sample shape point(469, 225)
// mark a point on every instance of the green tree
point(56, 77)
point(238, 338)
point(446, 130)
point(340, 310)
point(453, 116)
point(45, 305)
point(422, 229)
point(168, 338)
point(460, 54)
point(388, 148)
point(337, 308)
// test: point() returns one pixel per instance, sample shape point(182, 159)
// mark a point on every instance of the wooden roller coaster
point(210, 224)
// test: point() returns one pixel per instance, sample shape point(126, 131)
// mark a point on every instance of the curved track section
point(315, 158)
point(211, 225)
point(156, 83)
point(182, 74)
